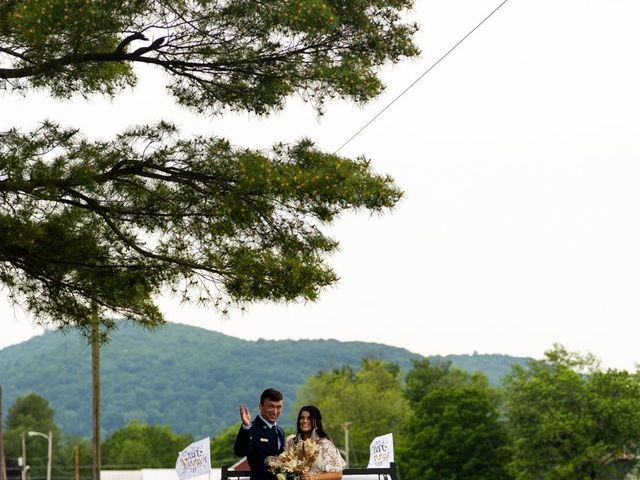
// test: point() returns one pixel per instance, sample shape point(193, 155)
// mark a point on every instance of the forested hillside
point(189, 378)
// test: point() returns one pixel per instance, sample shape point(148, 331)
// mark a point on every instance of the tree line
point(155, 370)
point(560, 418)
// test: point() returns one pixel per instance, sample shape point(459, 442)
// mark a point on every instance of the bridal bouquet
point(294, 461)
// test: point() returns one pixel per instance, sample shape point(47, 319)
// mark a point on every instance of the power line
point(421, 76)
point(62, 369)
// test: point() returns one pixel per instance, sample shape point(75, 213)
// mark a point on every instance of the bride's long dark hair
point(316, 421)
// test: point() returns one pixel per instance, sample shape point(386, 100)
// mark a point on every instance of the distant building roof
point(241, 465)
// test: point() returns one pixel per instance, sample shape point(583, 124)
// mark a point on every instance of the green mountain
point(189, 378)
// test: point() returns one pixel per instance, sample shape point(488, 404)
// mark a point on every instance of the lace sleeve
point(331, 459)
point(288, 443)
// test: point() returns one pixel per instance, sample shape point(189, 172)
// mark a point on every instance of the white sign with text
point(381, 451)
point(195, 460)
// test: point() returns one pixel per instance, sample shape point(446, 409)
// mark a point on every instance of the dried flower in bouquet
point(294, 461)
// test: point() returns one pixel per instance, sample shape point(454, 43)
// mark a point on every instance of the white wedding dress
point(328, 459)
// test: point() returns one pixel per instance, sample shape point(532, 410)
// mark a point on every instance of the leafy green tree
point(454, 434)
point(370, 399)
point(569, 419)
point(222, 447)
point(240, 54)
point(427, 374)
point(139, 445)
point(95, 228)
point(454, 431)
point(31, 412)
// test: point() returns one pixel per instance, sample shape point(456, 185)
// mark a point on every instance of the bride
point(328, 464)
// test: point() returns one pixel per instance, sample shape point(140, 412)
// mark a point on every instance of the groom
point(261, 438)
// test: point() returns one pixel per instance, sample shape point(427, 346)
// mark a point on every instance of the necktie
point(275, 430)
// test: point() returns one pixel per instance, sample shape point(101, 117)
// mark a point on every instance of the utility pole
point(95, 377)
point(49, 455)
point(77, 456)
point(346, 426)
point(24, 457)
point(3, 464)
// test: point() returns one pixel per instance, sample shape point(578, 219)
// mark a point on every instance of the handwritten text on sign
point(381, 451)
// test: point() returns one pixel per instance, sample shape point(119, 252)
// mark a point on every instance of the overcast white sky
point(520, 158)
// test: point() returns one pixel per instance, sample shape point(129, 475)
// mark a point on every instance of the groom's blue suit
point(257, 443)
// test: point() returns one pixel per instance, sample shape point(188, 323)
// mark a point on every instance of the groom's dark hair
point(271, 394)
